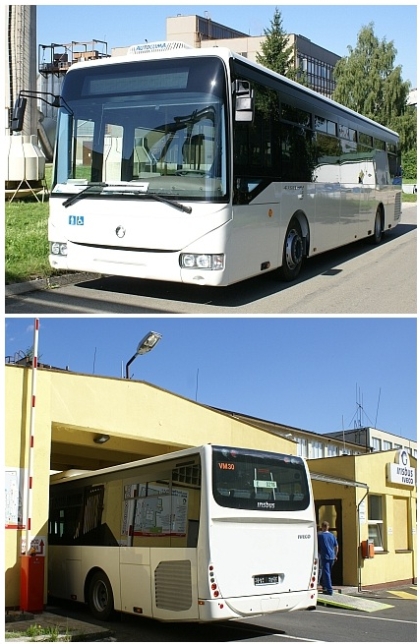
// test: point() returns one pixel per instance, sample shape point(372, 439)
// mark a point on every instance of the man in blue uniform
point(327, 552)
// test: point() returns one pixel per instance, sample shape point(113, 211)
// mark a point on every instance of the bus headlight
point(57, 248)
point(204, 262)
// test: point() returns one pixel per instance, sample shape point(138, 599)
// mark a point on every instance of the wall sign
point(14, 494)
point(400, 472)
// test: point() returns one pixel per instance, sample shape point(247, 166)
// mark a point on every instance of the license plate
point(264, 580)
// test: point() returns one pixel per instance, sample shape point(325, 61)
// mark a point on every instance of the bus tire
point(293, 251)
point(100, 596)
point(378, 227)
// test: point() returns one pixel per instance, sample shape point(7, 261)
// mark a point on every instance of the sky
point(316, 374)
point(333, 27)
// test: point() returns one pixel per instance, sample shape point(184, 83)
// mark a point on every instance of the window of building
point(375, 521)
point(317, 449)
point(376, 444)
point(302, 447)
point(332, 450)
point(387, 445)
point(401, 539)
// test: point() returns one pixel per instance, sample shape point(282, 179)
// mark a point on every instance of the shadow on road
point(246, 292)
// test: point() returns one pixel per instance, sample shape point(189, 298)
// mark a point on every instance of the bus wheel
point(292, 252)
point(100, 597)
point(376, 238)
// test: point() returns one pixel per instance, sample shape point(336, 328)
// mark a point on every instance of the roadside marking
point(292, 637)
point(402, 594)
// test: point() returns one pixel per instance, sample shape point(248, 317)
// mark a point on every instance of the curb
point(48, 283)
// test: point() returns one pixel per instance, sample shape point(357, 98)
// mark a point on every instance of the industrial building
point(317, 63)
point(89, 422)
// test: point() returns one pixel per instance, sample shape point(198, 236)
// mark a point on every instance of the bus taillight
point(213, 584)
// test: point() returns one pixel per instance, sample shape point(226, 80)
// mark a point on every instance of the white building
point(377, 440)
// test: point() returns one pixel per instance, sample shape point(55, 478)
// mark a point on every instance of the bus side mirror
point(16, 124)
point(244, 101)
point(18, 113)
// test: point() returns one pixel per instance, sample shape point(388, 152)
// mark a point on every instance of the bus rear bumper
point(256, 605)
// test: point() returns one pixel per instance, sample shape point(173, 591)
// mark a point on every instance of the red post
point(32, 583)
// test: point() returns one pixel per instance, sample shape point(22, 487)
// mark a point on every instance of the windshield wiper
point(96, 188)
point(175, 204)
point(91, 187)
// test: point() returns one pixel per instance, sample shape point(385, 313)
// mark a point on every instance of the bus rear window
point(250, 480)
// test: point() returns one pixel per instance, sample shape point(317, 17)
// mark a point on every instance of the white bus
point(206, 533)
point(199, 166)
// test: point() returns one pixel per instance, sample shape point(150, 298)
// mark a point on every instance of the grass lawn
point(26, 254)
point(26, 249)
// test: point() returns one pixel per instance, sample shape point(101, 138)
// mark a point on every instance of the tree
point(277, 54)
point(409, 164)
point(368, 82)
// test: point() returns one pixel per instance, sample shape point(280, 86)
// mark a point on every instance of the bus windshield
point(160, 124)
point(259, 481)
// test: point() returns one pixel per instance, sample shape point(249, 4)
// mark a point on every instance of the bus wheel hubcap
point(294, 249)
point(100, 596)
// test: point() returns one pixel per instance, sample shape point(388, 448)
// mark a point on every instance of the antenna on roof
point(377, 408)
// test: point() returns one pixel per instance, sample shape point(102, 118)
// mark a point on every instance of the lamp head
point(101, 439)
point(149, 341)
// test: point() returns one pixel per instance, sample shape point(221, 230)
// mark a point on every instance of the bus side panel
point(69, 567)
point(174, 584)
point(62, 582)
point(135, 580)
point(325, 233)
point(255, 237)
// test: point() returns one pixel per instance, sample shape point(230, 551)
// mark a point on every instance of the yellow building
point(72, 415)
point(370, 502)
point(78, 421)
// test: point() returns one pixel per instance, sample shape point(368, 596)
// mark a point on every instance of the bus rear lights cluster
point(57, 248)
point(203, 262)
point(314, 578)
point(213, 585)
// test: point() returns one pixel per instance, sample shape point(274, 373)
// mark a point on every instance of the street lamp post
point(147, 344)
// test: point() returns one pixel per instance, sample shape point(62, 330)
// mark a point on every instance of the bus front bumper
point(164, 266)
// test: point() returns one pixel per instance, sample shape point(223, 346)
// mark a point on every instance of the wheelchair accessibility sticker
point(76, 221)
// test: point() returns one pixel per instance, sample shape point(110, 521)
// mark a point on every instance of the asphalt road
point(357, 279)
point(396, 624)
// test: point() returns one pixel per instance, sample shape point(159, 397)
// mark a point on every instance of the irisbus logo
point(265, 505)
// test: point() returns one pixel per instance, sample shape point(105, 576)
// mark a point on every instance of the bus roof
point(176, 49)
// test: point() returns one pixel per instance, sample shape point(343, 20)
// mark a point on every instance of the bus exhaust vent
point(157, 47)
point(397, 210)
point(173, 587)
